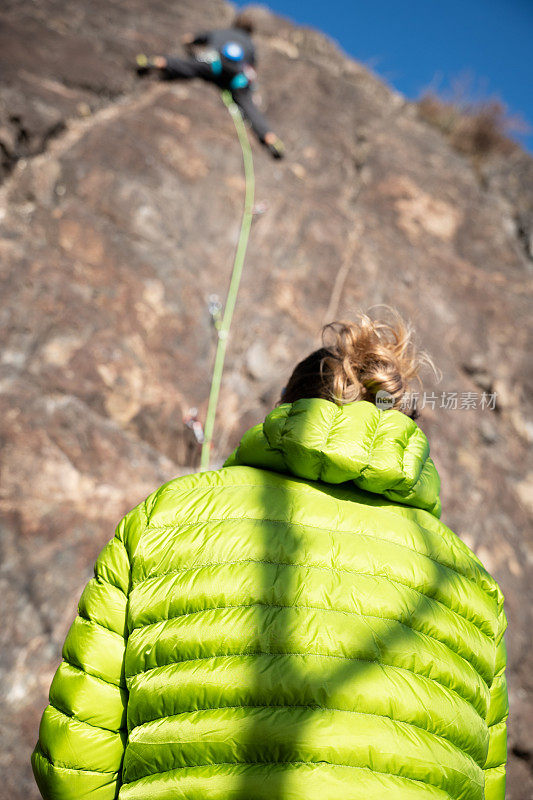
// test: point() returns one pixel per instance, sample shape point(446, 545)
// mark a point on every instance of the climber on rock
point(225, 57)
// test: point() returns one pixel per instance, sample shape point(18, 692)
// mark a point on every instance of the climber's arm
point(185, 68)
point(83, 731)
point(497, 722)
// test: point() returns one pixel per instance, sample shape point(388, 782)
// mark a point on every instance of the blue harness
point(239, 81)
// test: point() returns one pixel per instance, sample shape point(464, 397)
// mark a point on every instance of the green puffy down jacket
point(297, 625)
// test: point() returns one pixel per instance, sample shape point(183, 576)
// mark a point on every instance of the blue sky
point(416, 44)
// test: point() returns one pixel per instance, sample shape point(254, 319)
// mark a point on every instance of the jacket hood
point(383, 452)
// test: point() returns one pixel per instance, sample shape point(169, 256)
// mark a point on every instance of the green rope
point(238, 264)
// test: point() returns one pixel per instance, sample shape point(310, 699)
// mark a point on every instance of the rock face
point(120, 209)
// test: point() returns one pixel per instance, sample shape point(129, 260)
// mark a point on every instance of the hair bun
point(368, 356)
point(359, 359)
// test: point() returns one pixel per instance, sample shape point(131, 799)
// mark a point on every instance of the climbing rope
point(238, 264)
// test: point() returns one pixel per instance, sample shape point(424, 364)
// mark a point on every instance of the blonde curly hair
point(358, 359)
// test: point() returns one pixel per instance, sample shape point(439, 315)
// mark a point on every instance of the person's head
point(357, 360)
point(244, 22)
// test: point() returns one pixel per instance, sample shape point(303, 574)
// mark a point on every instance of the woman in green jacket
point(298, 625)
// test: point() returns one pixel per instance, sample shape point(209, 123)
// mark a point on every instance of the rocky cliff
point(119, 213)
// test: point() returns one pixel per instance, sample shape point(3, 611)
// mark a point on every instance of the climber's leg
point(245, 101)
